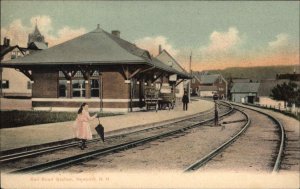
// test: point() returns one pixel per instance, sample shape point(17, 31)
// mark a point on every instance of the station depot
point(101, 69)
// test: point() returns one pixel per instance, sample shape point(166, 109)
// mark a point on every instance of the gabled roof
point(206, 78)
point(38, 45)
point(197, 78)
point(166, 58)
point(209, 79)
point(241, 80)
point(245, 88)
point(132, 48)
point(294, 76)
point(6, 49)
point(96, 47)
point(166, 61)
point(266, 86)
point(160, 65)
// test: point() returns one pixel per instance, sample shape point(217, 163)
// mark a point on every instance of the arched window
point(78, 85)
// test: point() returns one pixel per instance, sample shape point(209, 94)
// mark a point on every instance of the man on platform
point(185, 101)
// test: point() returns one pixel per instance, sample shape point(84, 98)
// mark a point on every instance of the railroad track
point(8, 157)
point(199, 163)
point(56, 164)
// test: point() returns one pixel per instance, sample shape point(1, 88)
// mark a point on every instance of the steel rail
point(217, 151)
point(20, 155)
point(86, 156)
point(277, 163)
point(196, 165)
point(31, 153)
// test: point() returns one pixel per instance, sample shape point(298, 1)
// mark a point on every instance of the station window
point(61, 74)
point(95, 88)
point(78, 86)
point(29, 85)
point(13, 55)
point(4, 84)
point(78, 74)
point(63, 89)
point(96, 73)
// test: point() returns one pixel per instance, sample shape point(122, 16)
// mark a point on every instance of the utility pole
point(215, 98)
point(190, 70)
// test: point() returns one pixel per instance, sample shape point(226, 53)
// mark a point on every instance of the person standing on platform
point(216, 115)
point(81, 125)
point(185, 101)
point(215, 98)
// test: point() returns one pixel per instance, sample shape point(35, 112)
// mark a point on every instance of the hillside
point(268, 72)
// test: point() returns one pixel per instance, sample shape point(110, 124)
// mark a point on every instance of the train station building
point(98, 68)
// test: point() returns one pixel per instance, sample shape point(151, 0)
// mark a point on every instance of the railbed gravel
point(72, 151)
point(171, 153)
point(255, 151)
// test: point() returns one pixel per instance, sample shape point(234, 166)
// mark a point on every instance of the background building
point(14, 84)
point(245, 92)
point(205, 85)
point(36, 41)
point(265, 91)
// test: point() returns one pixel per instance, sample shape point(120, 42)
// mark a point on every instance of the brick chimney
point(159, 49)
point(116, 33)
point(6, 42)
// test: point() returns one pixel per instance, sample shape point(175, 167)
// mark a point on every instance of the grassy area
point(287, 113)
point(15, 118)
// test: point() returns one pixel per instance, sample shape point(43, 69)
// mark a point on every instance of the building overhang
point(91, 63)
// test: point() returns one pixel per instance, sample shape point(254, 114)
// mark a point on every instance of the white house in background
point(207, 91)
point(13, 82)
point(206, 85)
point(245, 92)
point(265, 90)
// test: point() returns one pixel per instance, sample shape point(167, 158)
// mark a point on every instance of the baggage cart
point(151, 97)
point(167, 100)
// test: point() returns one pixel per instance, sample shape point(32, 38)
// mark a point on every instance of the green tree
point(289, 93)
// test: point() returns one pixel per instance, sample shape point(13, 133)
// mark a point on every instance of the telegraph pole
point(190, 70)
point(215, 98)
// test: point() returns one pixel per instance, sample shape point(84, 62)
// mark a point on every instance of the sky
point(218, 34)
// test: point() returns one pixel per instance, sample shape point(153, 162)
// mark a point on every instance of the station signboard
point(173, 77)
